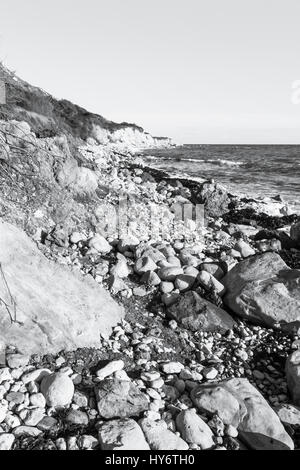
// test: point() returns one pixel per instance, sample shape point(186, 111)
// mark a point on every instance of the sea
point(252, 170)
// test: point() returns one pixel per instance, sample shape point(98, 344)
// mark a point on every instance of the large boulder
point(46, 307)
point(265, 290)
point(120, 399)
point(216, 199)
point(292, 369)
point(196, 313)
point(240, 404)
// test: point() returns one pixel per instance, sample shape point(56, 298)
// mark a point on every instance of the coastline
point(195, 317)
point(265, 171)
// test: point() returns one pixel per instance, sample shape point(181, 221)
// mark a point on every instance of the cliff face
point(129, 137)
point(49, 117)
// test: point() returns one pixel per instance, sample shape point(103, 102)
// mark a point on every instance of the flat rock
point(120, 399)
point(122, 434)
point(55, 308)
point(196, 313)
point(159, 437)
point(265, 290)
point(28, 431)
point(240, 404)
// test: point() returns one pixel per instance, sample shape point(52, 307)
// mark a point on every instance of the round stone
point(58, 389)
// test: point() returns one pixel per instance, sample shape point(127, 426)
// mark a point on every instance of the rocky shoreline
point(202, 343)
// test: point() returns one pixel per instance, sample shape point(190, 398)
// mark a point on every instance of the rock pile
point(208, 357)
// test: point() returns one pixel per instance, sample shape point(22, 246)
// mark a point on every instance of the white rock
point(194, 430)
point(172, 367)
point(244, 248)
point(109, 369)
point(6, 441)
point(33, 417)
point(61, 444)
point(38, 399)
point(160, 437)
point(98, 244)
point(77, 237)
point(26, 431)
point(122, 434)
point(12, 421)
point(210, 373)
point(58, 389)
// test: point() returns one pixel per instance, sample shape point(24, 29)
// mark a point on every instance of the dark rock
point(196, 313)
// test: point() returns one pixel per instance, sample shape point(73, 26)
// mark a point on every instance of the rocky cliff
point(48, 117)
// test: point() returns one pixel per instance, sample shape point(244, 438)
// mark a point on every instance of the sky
point(198, 71)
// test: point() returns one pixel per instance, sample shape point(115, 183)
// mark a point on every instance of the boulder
point(193, 429)
point(81, 180)
point(196, 313)
point(170, 273)
point(58, 389)
point(120, 399)
point(214, 269)
point(265, 290)
point(145, 264)
point(54, 308)
point(240, 404)
point(159, 437)
point(122, 434)
point(289, 414)
point(292, 369)
point(98, 244)
point(215, 198)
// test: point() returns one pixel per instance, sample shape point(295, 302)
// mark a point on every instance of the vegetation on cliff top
point(48, 116)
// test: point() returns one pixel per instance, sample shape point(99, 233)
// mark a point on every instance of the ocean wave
point(218, 161)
